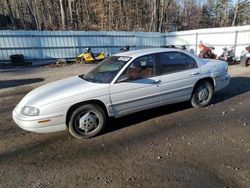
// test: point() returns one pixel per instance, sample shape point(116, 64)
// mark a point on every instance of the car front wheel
point(87, 121)
point(202, 94)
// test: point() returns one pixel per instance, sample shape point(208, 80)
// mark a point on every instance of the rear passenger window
point(171, 62)
point(176, 61)
point(189, 61)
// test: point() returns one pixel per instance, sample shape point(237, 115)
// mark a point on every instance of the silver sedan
point(122, 84)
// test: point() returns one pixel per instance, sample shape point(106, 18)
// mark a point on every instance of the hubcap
point(203, 94)
point(87, 122)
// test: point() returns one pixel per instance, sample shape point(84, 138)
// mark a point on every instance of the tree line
point(122, 15)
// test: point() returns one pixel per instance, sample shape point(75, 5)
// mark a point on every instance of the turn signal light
point(44, 121)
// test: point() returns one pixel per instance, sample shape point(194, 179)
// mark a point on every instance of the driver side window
point(140, 68)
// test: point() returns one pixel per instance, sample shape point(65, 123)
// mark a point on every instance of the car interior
point(141, 68)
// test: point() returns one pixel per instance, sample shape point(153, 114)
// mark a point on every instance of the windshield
point(107, 70)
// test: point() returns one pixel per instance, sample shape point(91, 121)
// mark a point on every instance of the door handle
point(156, 81)
point(194, 73)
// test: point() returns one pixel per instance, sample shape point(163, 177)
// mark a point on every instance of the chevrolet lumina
point(122, 84)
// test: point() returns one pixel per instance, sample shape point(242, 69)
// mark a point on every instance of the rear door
point(179, 73)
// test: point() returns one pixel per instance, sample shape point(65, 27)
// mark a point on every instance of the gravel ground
point(171, 146)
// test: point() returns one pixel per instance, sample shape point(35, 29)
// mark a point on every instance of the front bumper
point(56, 123)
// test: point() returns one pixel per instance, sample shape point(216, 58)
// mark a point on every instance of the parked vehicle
point(183, 47)
point(125, 49)
point(168, 46)
point(89, 57)
point(206, 51)
point(122, 84)
point(245, 57)
point(228, 55)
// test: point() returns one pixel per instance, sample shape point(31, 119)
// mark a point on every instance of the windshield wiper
point(83, 77)
point(90, 79)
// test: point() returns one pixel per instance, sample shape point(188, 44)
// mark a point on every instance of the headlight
point(30, 111)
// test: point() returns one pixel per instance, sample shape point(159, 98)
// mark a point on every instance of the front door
point(137, 88)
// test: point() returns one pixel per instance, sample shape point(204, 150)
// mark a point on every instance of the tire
point(202, 94)
point(248, 61)
point(243, 62)
point(230, 60)
point(87, 121)
point(78, 60)
point(202, 55)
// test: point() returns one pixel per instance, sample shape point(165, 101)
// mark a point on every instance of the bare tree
point(70, 12)
point(241, 12)
point(62, 13)
point(235, 12)
point(32, 14)
point(10, 12)
point(126, 15)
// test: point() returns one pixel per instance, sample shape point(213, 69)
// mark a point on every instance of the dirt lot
point(171, 146)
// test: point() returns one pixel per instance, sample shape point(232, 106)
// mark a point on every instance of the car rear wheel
point(202, 94)
point(87, 121)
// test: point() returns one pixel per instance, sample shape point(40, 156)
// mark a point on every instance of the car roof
point(138, 53)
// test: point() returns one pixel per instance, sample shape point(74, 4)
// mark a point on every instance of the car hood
point(58, 90)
